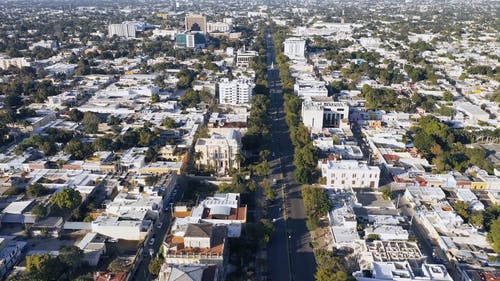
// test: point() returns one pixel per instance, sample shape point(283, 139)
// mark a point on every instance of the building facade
point(349, 174)
point(238, 91)
point(125, 29)
point(196, 22)
point(324, 113)
point(295, 48)
point(219, 152)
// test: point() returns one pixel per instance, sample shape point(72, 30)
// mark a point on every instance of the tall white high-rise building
point(125, 29)
point(295, 48)
point(238, 91)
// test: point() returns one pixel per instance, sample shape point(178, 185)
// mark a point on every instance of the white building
point(295, 48)
point(6, 62)
point(238, 91)
point(121, 229)
point(219, 152)
point(310, 87)
point(349, 173)
point(402, 271)
point(218, 27)
point(244, 57)
point(126, 29)
point(323, 113)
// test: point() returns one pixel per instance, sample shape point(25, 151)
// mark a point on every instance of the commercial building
point(126, 29)
point(319, 113)
point(238, 91)
point(218, 27)
point(295, 48)
point(196, 22)
point(309, 88)
point(349, 174)
point(244, 57)
point(219, 152)
point(190, 40)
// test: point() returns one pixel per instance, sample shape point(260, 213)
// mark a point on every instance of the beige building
point(196, 22)
point(219, 151)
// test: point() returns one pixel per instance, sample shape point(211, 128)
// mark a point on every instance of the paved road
point(142, 272)
point(289, 252)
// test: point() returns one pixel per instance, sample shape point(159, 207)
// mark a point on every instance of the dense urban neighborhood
point(266, 140)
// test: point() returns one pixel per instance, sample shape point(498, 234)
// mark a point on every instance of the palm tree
point(197, 156)
point(240, 158)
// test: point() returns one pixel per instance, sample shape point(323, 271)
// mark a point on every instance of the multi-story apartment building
point(219, 152)
point(125, 29)
point(238, 91)
point(349, 173)
point(295, 48)
point(319, 113)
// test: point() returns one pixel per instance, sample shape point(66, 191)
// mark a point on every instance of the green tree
point(75, 115)
point(155, 266)
point(169, 123)
point(386, 193)
point(68, 198)
point(316, 201)
point(91, 121)
point(462, 208)
point(40, 211)
point(36, 190)
point(494, 235)
point(155, 98)
point(447, 96)
point(477, 219)
point(71, 256)
point(78, 149)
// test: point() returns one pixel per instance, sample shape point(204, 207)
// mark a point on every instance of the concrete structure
point(218, 27)
point(323, 113)
point(402, 271)
point(6, 62)
point(190, 40)
point(244, 57)
point(238, 91)
point(189, 272)
point(126, 29)
point(221, 209)
point(196, 22)
point(473, 111)
point(219, 152)
point(310, 87)
point(93, 247)
point(121, 229)
point(349, 174)
point(295, 48)
point(10, 252)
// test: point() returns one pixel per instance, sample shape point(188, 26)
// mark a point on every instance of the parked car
point(151, 242)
